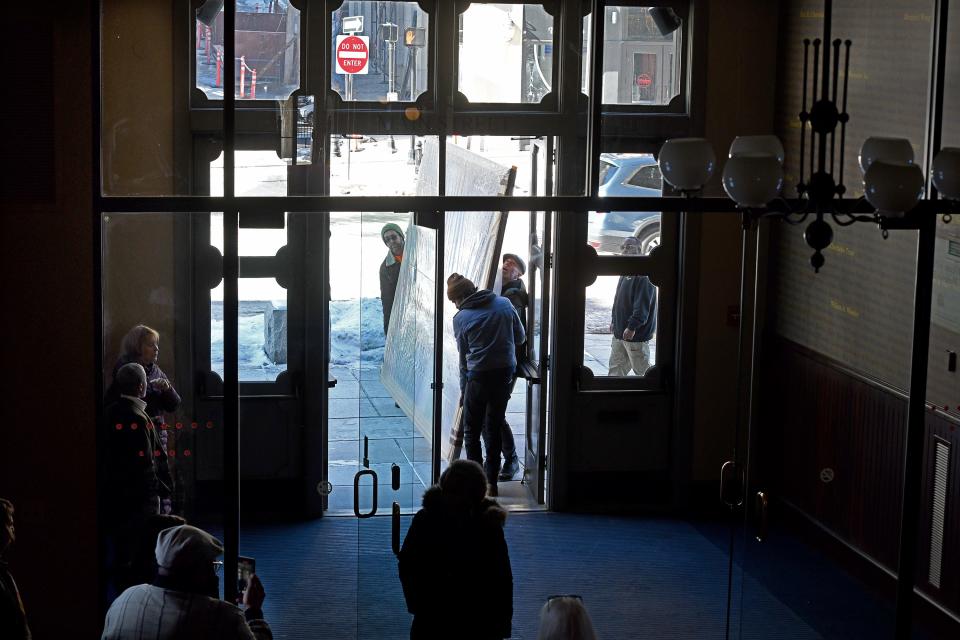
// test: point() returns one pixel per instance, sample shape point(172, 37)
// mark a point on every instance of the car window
point(606, 171)
point(647, 177)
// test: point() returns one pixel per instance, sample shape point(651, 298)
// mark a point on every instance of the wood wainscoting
point(830, 442)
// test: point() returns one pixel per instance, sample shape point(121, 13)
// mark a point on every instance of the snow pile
point(356, 332)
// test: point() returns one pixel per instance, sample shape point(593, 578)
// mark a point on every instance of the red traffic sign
point(644, 80)
point(352, 54)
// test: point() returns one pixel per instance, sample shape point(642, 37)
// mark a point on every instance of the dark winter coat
point(487, 330)
point(516, 292)
point(136, 472)
point(635, 307)
point(13, 620)
point(389, 277)
point(158, 402)
point(455, 571)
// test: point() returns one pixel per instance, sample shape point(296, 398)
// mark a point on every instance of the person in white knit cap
point(183, 601)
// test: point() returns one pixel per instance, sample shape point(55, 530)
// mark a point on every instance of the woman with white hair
point(565, 618)
point(142, 345)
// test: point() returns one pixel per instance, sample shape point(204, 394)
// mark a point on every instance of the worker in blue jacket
point(487, 329)
point(634, 321)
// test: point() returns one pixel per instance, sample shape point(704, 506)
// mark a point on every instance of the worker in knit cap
point(393, 237)
point(487, 330)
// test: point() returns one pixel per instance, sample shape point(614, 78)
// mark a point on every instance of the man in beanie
point(183, 601)
point(513, 290)
point(393, 237)
point(487, 330)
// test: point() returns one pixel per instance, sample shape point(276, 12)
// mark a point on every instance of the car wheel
point(649, 240)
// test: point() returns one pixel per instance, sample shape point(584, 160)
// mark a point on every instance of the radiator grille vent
point(941, 463)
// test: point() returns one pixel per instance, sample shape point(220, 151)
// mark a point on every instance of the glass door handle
point(356, 493)
point(762, 504)
point(395, 529)
point(731, 484)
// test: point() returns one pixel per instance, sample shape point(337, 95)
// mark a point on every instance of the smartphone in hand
point(246, 567)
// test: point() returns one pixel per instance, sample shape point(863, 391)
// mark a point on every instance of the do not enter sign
point(352, 54)
point(644, 80)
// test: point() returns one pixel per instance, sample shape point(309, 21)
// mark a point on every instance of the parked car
point(626, 174)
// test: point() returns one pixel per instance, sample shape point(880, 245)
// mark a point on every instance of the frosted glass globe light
point(687, 163)
point(946, 173)
point(765, 145)
point(893, 187)
point(898, 150)
point(752, 179)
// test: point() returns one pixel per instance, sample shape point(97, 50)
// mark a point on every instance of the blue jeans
point(484, 407)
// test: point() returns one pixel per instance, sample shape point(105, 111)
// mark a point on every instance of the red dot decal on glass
point(119, 427)
point(194, 425)
point(149, 426)
point(172, 453)
point(141, 453)
point(186, 453)
point(156, 454)
point(164, 426)
point(209, 424)
point(133, 426)
point(179, 425)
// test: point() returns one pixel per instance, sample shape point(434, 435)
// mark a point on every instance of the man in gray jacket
point(487, 330)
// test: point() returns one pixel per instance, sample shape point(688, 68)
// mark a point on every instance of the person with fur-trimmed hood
point(454, 564)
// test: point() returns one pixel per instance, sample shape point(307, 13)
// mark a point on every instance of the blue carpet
point(639, 577)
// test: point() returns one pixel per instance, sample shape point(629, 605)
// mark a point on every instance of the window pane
point(615, 305)
point(251, 242)
point(626, 174)
point(641, 63)
point(267, 42)
point(257, 173)
point(506, 53)
point(262, 329)
point(379, 51)
point(139, 150)
point(378, 165)
point(490, 165)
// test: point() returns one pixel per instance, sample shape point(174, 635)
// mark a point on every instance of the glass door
point(537, 324)
point(395, 446)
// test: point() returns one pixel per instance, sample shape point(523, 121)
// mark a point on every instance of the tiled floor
point(360, 406)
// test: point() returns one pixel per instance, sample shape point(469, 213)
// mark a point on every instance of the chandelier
point(893, 183)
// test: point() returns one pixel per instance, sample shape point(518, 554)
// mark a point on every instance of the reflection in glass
point(267, 42)
point(262, 329)
point(626, 174)
point(641, 64)
point(506, 53)
point(391, 63)
point(620, 326)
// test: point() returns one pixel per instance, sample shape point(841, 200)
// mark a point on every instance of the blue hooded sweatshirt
point(487, 329)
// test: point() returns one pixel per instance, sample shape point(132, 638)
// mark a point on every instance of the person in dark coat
point(13, 618)
point(515, 291)
point(487, 330)
point(634, 320)
point(393, 237)
point(136, 478)
point(454, 564)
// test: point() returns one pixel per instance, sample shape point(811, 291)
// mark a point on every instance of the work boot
point(510, 468)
